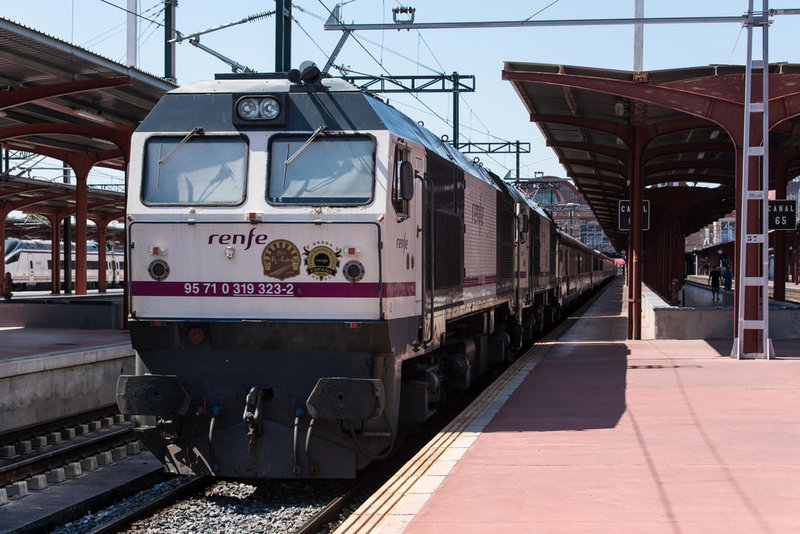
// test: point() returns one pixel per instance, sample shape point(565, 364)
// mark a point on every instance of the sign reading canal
point(625, 215)
point(782, 214)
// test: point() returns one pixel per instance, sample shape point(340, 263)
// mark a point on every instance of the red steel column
point(3, 243)
point(55, 254)
point(753, 266)
point(101, 255)
point(635, 299)
point(3, 214)
point(780, 164)
point(80, 231)
point(739, 154)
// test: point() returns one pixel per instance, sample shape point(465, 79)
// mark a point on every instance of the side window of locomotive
point(400, 205)
point(323, 170)
point(195, 171)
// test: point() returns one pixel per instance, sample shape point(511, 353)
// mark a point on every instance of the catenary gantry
point(673, 137)
point(61, 101)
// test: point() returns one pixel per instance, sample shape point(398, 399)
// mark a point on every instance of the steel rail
point(44, 427)
point(49, 460)
point(193, 485)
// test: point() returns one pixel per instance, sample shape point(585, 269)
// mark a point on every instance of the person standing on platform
point(713, 279)
point(727, 278)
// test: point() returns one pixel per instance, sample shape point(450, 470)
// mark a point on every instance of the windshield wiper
point(291, 158)
point(197, 130)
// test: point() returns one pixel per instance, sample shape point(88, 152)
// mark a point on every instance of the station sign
point(625, 215)
point(782, 214)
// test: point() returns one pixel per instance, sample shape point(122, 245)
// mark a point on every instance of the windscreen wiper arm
point(197, 130)
point(289, 159)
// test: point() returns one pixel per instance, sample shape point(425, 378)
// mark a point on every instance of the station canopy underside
point(590, 118)
point(62, 101)
point(57, 83)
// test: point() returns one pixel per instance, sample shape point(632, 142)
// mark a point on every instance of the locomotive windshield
point(194, 170)
point(330, 171)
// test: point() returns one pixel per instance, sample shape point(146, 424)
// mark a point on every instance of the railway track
point(181, 491)
point(792, 289)
point(34, 450)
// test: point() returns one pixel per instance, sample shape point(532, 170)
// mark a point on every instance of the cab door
point(409, 199)
point(423, 251)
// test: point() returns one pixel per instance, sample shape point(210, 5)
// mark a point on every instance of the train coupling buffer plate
point(161, 395)
point(346, 398)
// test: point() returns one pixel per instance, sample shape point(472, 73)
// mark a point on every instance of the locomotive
point(310, 269)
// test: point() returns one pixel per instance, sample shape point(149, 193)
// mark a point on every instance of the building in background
point(572, 214)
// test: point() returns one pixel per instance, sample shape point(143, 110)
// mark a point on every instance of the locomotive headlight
point(158, 270)
point(252, 108)
point(353, 270)
point(247, 108)
point(269, 108)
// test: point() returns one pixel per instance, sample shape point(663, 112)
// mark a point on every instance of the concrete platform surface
point(46, 373)
point(610, 435)
point(20, 342)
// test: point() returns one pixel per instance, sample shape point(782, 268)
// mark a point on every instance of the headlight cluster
point(252, 108)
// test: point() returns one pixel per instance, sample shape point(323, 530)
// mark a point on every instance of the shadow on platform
point(578, 386)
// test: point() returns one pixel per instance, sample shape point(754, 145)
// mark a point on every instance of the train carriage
point(309, 271)
point(29, 261)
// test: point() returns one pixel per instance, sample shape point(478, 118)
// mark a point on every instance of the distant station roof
point(59, 100)
point(587, 116)
point(52, 197)
point(54, 200)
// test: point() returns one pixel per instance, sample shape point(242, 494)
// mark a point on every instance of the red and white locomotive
point(310, 268)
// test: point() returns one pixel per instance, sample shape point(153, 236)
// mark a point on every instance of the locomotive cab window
point(194, 170)
point(398, 201)
point(321, 170)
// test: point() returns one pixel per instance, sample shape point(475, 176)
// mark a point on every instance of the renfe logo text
point(239, 239)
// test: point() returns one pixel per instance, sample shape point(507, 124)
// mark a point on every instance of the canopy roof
point(60, 100)
point(589, 117)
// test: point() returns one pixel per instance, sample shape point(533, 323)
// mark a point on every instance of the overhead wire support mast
point(495, 147)
point(334, 22)
point(753, 316)
point(428, 84)
point(414, 83)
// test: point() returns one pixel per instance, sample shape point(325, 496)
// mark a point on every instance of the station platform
point(47, 373)
point(590, 432)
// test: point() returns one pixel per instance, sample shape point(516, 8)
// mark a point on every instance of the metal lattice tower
point(755, 243)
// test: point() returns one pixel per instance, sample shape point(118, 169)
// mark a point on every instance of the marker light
point(158, 270)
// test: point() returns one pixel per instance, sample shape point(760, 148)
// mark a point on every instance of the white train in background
point(30, 263)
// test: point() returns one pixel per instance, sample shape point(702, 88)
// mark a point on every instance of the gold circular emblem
point(321, 261)
point(281, 259)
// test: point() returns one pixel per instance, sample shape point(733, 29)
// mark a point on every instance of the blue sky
point(493, 112)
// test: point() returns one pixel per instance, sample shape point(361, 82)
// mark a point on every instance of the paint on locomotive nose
point(322, 261)
point(402, 242)
point(238, 239)
point(281, 259)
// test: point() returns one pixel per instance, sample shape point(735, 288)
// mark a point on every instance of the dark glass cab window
point(196, 171)
point(401, 206)
point(327, 171)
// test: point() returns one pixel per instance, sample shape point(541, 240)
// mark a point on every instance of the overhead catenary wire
point(133, 13)
point(115, 30)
